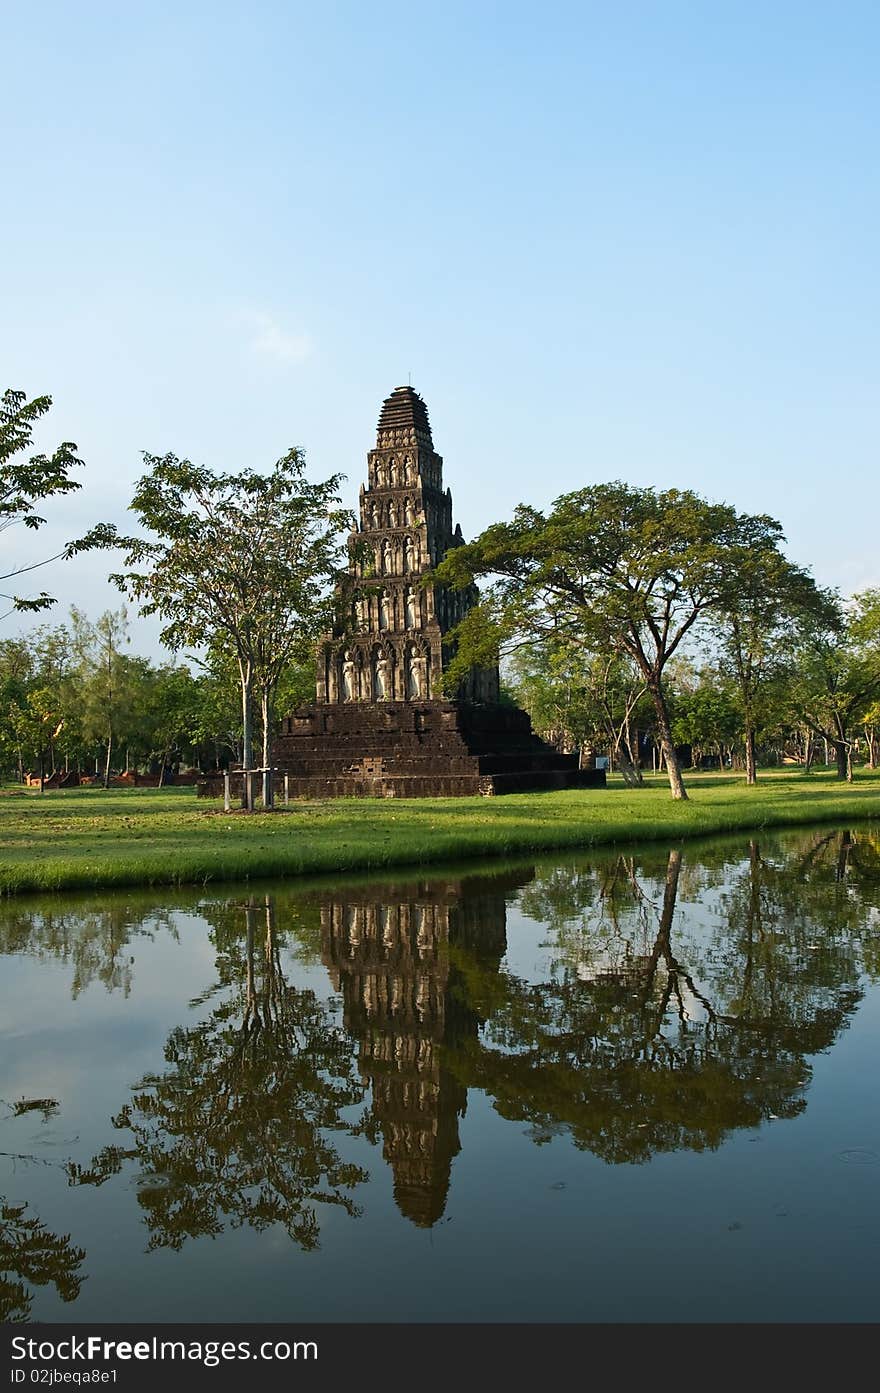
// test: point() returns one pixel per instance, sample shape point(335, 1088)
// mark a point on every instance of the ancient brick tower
point(382, 723)
point(394, 650)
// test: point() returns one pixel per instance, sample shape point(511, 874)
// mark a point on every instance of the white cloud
point(269, 339)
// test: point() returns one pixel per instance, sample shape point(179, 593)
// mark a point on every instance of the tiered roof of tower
point(405, 410)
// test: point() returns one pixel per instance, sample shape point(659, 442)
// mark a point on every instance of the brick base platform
point(406, 749)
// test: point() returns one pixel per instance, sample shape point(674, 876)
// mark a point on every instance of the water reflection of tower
point(396, 953)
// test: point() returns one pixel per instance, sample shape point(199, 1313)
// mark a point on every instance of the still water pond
point(615, 1086)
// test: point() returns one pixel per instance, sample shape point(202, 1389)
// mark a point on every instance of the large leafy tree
point(103, 670)
point(39, 700)
point(26, 483)
point(706, 716)
point(240, 562)
point(754, 634)
point(838, 672)
point(586, 698)
point(624, 569)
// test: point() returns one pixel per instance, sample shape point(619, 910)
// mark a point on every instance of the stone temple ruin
point(381, 724)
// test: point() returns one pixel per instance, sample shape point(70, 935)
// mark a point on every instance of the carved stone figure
point(383, 676)
point(392, 514)
point(417, 681)
point(409, 515)
point(409, 555)
point(411, 607)
point(384, 610)
point(349, 677)
point(387, 559)
point(392, 473)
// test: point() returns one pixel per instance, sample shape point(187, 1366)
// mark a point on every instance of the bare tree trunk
point(107, 762)
point(632, 776)
point(673, 767)
point(247, 740)
point(809, 751)
point(871, 738)
point(631, 751)
point(266, 710)
point(751, 761)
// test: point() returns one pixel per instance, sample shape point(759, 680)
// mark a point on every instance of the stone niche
point(380, 724)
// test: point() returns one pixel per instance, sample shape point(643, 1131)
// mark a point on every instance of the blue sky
point(631, 241)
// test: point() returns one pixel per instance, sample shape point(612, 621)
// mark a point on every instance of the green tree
point(754, 633)
point(103, 673)
point(26, 483)
point(35, 723)
point(706, 716)
point(237, 561)
point(838, 672)
point(615, 567)
point(173, 713)
point(587, 698)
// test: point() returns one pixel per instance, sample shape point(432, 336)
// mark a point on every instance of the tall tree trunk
point(667, 747)
point(632, 750)
point(871, 738)
point(107, 762)
point(809, 751)
point(751, 761)
point(844, 767)
point(247, 733)
point(267, 714)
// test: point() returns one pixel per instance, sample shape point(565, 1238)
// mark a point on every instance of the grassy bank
point(91, 837)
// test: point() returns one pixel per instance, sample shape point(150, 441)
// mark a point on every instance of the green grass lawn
point(92, 837)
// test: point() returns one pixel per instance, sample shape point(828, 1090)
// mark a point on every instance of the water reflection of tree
point(235, 1129)
point(650, 1036)
point(31, 1255)
point(94, 940)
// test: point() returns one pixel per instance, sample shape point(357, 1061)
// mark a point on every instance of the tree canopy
point(25, 483)
point(241, 562)
point(615, 567)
